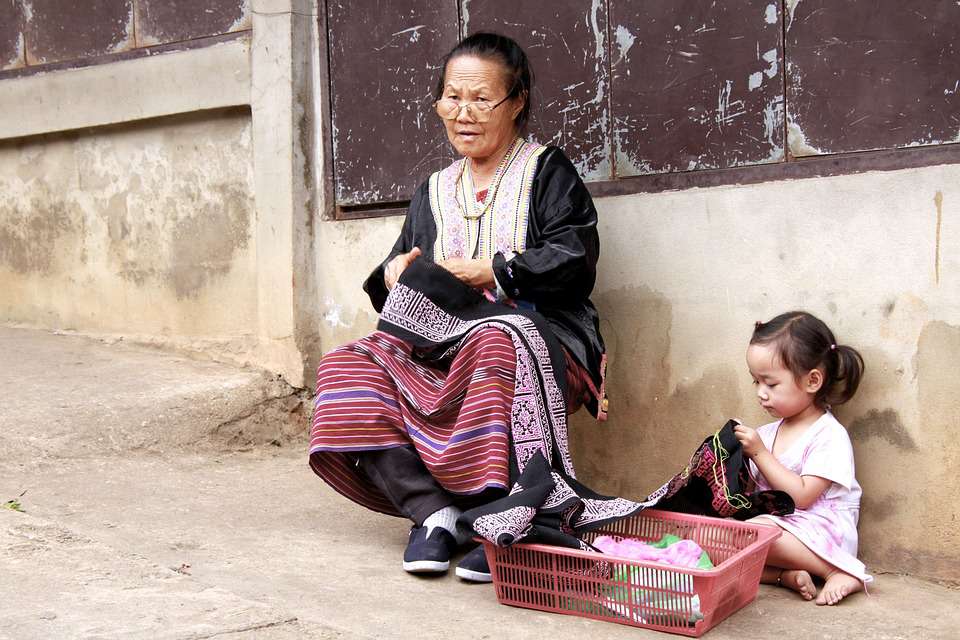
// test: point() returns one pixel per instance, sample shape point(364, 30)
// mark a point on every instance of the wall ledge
point(164, 84)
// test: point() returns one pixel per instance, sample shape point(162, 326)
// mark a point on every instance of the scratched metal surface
point(696, 84)
point(163, 21)
point(566, 41)
point(67, 30)
point(384, 59)
point(865, 75)
point(11, 35)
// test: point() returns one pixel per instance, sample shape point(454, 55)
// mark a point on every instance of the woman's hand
point(750, 441)
point(396, 266)
point(476, 273)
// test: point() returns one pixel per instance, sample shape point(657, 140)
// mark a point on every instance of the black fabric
point(545, 506)
point(401, 475)
point(556, 271)
point(697, 491)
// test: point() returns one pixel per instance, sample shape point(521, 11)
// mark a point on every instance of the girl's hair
point(803, 343)
point(505, 51)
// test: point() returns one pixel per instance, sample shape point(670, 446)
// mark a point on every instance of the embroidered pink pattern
point(560, 494)
point(514, 523)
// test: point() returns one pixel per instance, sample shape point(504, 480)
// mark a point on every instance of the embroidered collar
point(473, 207)
point(495, 224)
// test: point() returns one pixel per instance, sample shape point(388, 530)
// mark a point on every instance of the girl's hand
point(749, 440)
point(476, 273)
point(396, 266)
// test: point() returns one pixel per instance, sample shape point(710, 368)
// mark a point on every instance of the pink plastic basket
point(641, 594)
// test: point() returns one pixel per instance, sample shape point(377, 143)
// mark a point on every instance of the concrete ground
point(170, 498)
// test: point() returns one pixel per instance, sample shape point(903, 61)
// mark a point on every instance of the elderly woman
point(487, 336)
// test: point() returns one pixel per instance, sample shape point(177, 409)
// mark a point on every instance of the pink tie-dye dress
point(828, 527)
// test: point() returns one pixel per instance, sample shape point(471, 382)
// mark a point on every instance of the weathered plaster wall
point(141, 229)
point(874, 255)
point(683, 277)
point(350, 249)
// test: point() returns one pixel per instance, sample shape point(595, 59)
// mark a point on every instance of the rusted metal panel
point(864, 75)
point(384, 60)
point(566, 42)
point(11, 35)
point(697, 84)
point(68, 30)
point(162, 21)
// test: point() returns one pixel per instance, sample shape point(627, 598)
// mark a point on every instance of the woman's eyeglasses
point(449, 109)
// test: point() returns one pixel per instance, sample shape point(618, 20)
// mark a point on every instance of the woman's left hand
point(476, 273)
point(749, 439)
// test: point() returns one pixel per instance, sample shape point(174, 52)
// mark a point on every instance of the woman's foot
point(799, 581)
point(474, 567)
point(839, 585)
point(428, 551)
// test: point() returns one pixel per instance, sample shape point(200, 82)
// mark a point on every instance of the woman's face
point(472, 79)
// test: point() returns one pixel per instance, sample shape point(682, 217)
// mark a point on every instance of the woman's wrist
point(490, 278)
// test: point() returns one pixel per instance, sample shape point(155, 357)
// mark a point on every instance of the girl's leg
point(799, 563)
point(783, 575)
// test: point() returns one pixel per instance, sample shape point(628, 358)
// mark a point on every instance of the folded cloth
point(547, 506)
point(670, 549)
point(651, 595)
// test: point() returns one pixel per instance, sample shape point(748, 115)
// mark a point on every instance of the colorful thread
point(737, 500)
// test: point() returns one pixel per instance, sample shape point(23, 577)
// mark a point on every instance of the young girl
point(800, 371)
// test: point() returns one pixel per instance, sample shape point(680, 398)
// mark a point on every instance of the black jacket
point(557, 270)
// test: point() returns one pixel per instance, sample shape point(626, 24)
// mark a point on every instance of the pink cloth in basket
point(684, 553)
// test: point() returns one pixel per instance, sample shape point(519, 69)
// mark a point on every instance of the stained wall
point(140, 229)
point(683, 278)
point(684, 275)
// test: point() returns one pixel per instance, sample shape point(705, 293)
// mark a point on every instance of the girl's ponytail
point(844, 375)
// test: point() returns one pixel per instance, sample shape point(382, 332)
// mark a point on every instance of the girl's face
point(471, 79)
point(779, 392)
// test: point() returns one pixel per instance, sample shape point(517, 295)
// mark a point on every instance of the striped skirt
point(372, 394)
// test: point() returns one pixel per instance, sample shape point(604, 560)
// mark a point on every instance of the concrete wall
point(683, 277)
point(140, 229)
point(170, 197)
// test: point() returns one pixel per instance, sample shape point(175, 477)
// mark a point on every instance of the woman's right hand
point(396, 266)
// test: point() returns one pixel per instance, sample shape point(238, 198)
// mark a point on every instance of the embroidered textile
point(458, 215)
point(561, 509)
point(558, 509)
point(716, 481)
point(413, 312)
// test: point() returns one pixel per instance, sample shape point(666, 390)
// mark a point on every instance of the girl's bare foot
point(838, 586)
point(800, 581)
